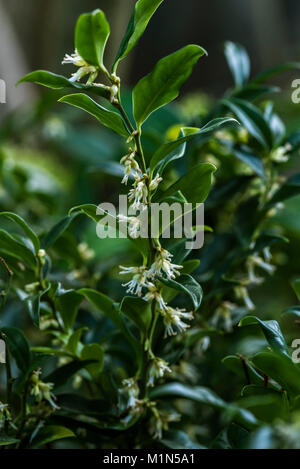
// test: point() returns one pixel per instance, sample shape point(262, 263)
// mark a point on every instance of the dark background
point(35, 34)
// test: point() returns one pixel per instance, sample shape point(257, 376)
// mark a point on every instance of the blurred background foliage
point(53, 158)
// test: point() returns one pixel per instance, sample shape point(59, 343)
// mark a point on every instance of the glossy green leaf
point(25, 227)
point(91, 35)
point(280, 368)
point(74, 344)
point(57, 231)
point(163, 84)
point(59, 82)
point(175, 149)
point(67, 303)
point(16, 249)
point(50, 433)
point(93, 352)
point(61, 376)
point(252, 119)
point(138, 311)
point(143, 11)
point(194, 185)
point(238, 61)
point(205, 396)
point(33, 305)
point(267, 74)
point(18, 347)
point(110, 119)
point(188, 285)
point(272, 333)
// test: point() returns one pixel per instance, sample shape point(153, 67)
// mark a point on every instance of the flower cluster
point(42, 391)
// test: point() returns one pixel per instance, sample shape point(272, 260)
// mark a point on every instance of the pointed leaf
point(110, 119)
point(238, 61)
point(91, 35)
point(143, 11)
point(188, 285)
point(252, 119)
point(163, 84)
point(59, 82)
point(27, 230)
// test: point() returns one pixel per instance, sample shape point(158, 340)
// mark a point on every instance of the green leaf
point(280, 368)
point(194, 185)
point(61, 376)
point(67, 303)
point(252, 119)
point(243, 369)
point(59, 82)
point(57, 231)
point(177, 439)
point(16, 249)
point(110, 119)
point(238, 61)
point(18, 347)
point(143, 11)
point(103, 303)
point(275, 71)
point(27, 230)
point(204, 396)
point(6, 440)
point(74, 341)
point(272, 333)
point(197, 393)
point(93, 352)
point(52, 351)
point(33, 305)
point(296, 287)
point(138, 311)
point(163, 84)
point(91, 35)
point(246, 155)
point(169, 151)
point(50, 433)
point(188, 285)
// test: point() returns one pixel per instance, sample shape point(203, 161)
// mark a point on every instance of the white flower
point(130, 163)
point(160, 421)
point(84, 68)
point(139, 194)
point(173, 320)
point(139, 280)
point(242, 292)
point(132, 390)
point(157, 370)
point(155, 182)
point(162, 264)
point(280, 155)
point(134, 225)
point(263, 264)
point(154, 294)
